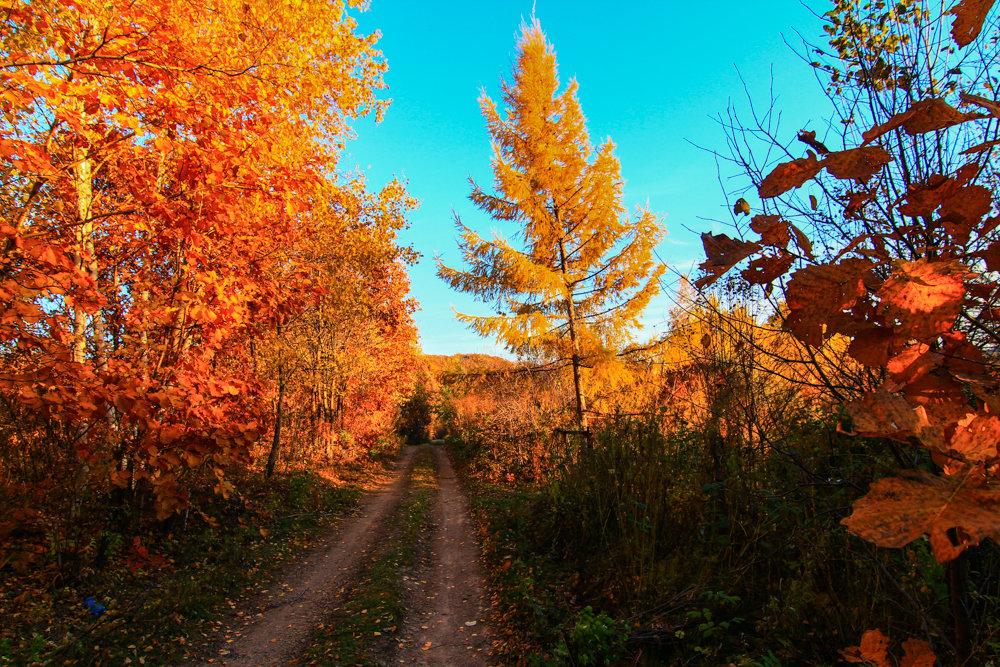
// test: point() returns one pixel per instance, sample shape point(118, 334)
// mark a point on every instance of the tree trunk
point(272, 457)
point(957, 572)
point(581, 401)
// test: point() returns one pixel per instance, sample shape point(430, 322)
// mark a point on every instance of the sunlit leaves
point(954, 512)
point(723, 253)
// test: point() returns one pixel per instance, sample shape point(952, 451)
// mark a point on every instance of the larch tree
point(574, 290)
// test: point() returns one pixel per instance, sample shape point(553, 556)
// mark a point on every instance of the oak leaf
point(898, 510)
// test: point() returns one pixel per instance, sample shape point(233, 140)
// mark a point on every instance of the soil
point(447, 611)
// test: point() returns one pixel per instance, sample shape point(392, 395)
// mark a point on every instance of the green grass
point(372, 612)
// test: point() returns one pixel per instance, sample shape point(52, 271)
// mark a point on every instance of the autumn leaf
point(722, 253)
point(809, 138)
point(773, 230)
point(898, 510)
point(991, 106)
point(969, 18)
point(911, 364)
point(874, 649)
point(767, 268)
point(883, 414)
point(924, 296)
point(976, 438)
point(857, 163)
point(741, 206)
point(917, 653)
point(816, 293)
point(874, 346)
point(923, 116)
point(788, 175)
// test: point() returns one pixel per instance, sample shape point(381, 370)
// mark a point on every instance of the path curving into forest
point(447, 612)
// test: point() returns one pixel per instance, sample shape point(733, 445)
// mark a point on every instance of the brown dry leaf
point(875, 346)
point(981, 148)
point(963, 212)
point(722, 253)
point(874, 649)
point(741, 206)
point(855, 200)
point(772, 229)
point(815, 294)
point(942, 398)
point(925, 296)
point(923, 199)
point(964, 359)
point(976, 438)
point(923, 116)
point(857, 163)
point(426, 647)
point(911, 364)
point(802, 241)
point(809, 138)
point(883, 414)
point(766, 269)
point(917, 653)
point(969, 18)
point(986, 103)
point(991, 255)
point(899, 510)
point(789, 175)
point(934, 114)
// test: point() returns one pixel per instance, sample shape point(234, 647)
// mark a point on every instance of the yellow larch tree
point(572, 292)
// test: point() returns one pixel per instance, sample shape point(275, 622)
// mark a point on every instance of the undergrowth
point(149, 592)
point(637, 551)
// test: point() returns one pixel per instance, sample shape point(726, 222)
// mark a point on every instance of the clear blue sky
point(652, 75)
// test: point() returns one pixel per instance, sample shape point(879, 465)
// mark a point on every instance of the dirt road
point(448, 611)
point(447, 614)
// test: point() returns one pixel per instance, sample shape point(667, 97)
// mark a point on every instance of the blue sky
point(653, 77)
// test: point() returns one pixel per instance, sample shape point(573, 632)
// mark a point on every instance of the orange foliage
point(917, 316)
point(163, 168)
